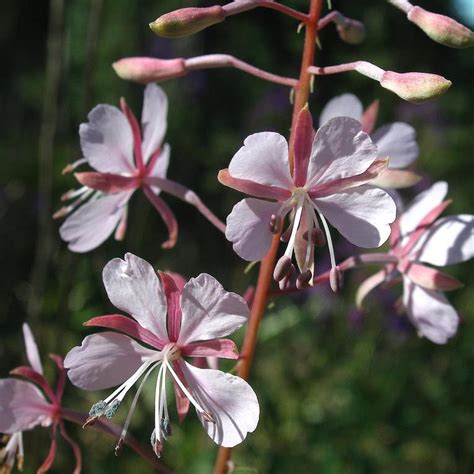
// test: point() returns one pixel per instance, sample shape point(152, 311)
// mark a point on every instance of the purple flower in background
point(168, 323)
point(23, 406)
point(396, 140)
point(331, 170)
point(125, 159)
point(418, 238)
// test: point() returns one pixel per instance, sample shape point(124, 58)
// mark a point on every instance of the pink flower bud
point(351, 31)
point(187, 21)
point(145, 70)
point(441, 28)
point(415, 86)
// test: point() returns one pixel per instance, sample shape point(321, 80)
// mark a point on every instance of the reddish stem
point(262, 290)
point(244, 5)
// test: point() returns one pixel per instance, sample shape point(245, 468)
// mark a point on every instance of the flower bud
point(441, 28)
point(187, 21)
point(145, 70)
point(415, 86)
point(351, 31)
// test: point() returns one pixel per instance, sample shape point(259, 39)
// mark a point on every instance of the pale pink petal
point(345, 105)
point(421, 206)
point(107, 140)
point(223, 348)
point(160, 167)
point(32, 352)
point(428, 277)
point(248, 228)
point(263, 159)
point(450, 240)
point(134, 287)
point(340, 150)
point(228, 399)
point(397, 141)
point(362, 214)
point(209, 311)
point(154, 122)
point(22, 406)
point(104, 360)
point(430, 312)
point(94, 222)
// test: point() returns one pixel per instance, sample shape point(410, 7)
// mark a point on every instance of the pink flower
point(168, 324)
point(329, 181)
point(23, 406)
point(395, 140)
point(125, 159)
point(418, 238)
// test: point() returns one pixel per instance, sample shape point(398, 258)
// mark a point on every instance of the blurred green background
point(340, 392)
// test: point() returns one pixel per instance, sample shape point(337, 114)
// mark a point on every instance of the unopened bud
point(187, 21)
point(283, 268)
point(441, 28)
point(276, 224)
point(351, 31)
point(415, 86)
point(146, 70)
point(303, 279)
point(317, 237)
point(335, 279)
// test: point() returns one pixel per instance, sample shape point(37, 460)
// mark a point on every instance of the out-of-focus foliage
point(339, 392)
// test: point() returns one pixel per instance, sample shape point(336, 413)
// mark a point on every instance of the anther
point(303, 279)
point(112, 409)
point(276, 224)
point(119, 446)
point(335, 279)
point(61, 212)
point(283, 268)
point(156, 444)
point(165, 427)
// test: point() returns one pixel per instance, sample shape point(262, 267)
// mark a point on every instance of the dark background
point(340, 392)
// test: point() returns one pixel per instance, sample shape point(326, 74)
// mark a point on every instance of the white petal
point(430, 312)
point(154, 119)
point(340, 150)
point(248, 228)
point(134, 287)
point(22, 406)
point(362, 214)
point(397, 141)
point(32, 352)
point(263, 159)
point(229, 399)
point(104, 360)
point(450, 240)
point(345, 105)
point(89, 226)
point(107, 141)
point(209, 311)
point(421, 206)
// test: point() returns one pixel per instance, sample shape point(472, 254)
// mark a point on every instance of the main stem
point(267, 265)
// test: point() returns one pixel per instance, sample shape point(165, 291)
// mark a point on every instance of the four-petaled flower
point(418, 238)
point(169, 322)
point(331, 170)
point(124, 160)
point(396, 140)
point(24, 406)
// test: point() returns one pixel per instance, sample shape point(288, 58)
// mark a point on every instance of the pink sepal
point(252, 188)
point(127, 326)
point(36, 378)
point(75, 449)
point(137, 136)
point(182, 402)
point(48, 462)
point(106, 182)
point(223, 348)
point(395, 233)
point(167, 216)
point(369, 117)
point(427, 277)
point(302, 146)
point(59, 361)
point(424, 225)
point(173, 295)
point(338, 185)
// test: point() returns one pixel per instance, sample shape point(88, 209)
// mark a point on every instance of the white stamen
point(328, 235)
point(158, 402)
point(296, 223)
